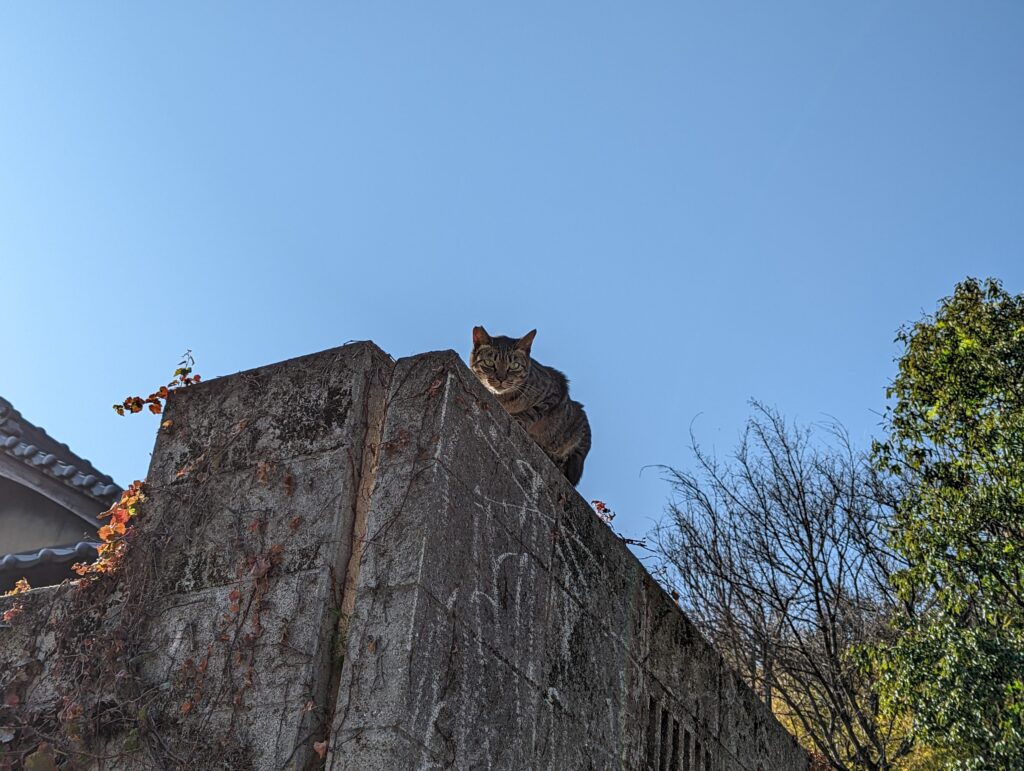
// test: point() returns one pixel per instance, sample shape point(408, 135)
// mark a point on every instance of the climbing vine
point(20, 587)
point(183, 378)
point(97, 624)
point(115, 535)
point(81, 692)
point(118, 532)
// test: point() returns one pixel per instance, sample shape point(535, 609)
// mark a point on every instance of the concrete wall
point(359, 564)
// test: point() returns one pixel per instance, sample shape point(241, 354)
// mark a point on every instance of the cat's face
point(501, 363)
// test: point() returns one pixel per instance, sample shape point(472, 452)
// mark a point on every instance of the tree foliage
point(780, 555)
point(956, 437)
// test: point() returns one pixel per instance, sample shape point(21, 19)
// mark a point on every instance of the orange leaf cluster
point(183, 377)
point(114, 535)
point(20, 587)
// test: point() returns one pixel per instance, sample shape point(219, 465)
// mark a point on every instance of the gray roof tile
point(84, 551)
point(32, 445)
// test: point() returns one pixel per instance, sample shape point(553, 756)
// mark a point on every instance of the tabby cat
point(536, 396)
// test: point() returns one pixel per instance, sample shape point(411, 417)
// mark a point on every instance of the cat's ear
point(524, 342)
point(480, 337)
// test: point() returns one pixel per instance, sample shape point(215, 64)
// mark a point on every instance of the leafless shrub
point(779, 553)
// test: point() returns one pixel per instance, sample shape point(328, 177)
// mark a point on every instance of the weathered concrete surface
point(371, 559)
point(498, 623)
point(234, 606)
point(262, 472)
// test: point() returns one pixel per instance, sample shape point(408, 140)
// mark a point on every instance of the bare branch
point(779, 553)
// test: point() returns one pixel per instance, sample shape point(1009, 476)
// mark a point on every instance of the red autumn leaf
point(120, 516)
point(186, 707)
point(320, 748)
point(155, 408)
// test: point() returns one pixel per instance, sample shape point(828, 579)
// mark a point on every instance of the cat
point(535, 395)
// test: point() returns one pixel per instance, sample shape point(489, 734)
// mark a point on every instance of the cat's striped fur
point(535, 395)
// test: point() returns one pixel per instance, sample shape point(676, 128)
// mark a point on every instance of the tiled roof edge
point(84, 551)
point(31, 445)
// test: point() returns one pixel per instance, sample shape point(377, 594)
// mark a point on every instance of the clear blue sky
point(695, 203)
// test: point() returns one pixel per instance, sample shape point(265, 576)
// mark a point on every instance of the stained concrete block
point(28, 647)
point(304, 506)
point(304, 406)
point(257, 483)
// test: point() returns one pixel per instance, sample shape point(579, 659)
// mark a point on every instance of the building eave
point(31, 457)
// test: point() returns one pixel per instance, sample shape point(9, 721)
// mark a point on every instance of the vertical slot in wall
point(663, 755)
point(652, 735)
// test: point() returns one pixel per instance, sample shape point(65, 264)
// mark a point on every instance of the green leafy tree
point(956, 438)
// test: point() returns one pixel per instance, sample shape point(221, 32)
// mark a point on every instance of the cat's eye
point(487, 364)
point(515, 365)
